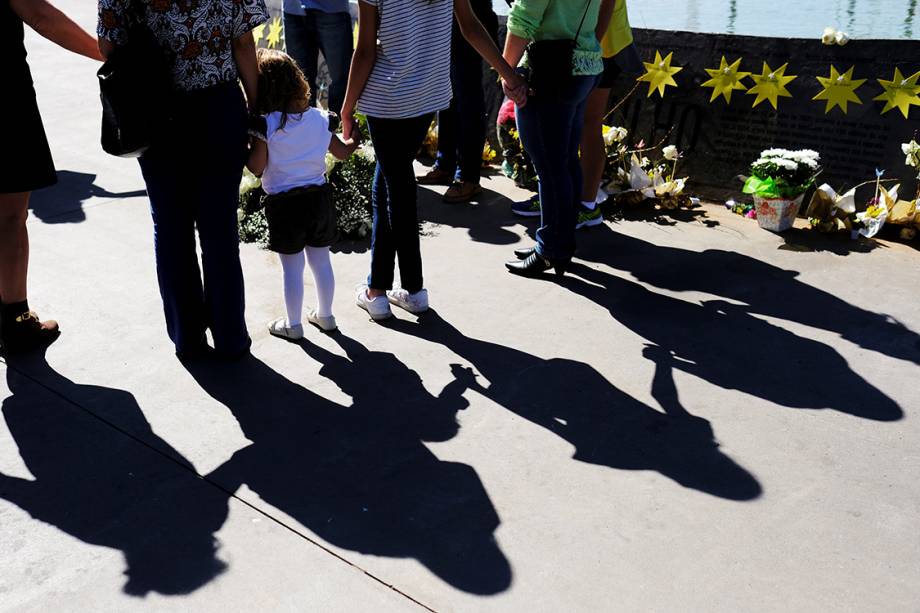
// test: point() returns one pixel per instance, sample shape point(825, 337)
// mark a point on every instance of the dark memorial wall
point(720, 140)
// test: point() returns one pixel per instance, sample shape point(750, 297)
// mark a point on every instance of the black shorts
point(302, 217)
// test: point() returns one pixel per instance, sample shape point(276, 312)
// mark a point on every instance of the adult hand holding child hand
point(516, 88)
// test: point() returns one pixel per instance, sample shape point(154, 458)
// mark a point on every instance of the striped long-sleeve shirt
point(411, 75)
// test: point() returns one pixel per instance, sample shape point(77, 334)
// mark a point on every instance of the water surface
point(798, 19)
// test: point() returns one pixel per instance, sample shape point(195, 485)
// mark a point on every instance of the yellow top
point(619, 33)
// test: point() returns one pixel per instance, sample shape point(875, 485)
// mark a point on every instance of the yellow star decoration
point(659, 74)
point(771, 85)
point(258, 33)
point(726, 79)
point(900, 93)
point(274, 33)
point(839, 90)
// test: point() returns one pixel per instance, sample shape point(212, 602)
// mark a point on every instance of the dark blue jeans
point(550, 128)
point(193, 178)
point(462, 126)
point(395, 200)
point(318, 31)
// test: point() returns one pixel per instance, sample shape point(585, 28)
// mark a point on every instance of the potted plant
point(778, 182)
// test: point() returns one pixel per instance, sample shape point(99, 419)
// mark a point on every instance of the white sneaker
point(414, 303)
point(378, 308)
point(326, 324)
point(281, 329)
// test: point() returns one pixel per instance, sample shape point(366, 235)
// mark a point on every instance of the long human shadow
point(108, 489)
point(63, 202)
point(359, 477)
point(724, 344)
point(606, 426)
point(764, 289)
point(487, 219)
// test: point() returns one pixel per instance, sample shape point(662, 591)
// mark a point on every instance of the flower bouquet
point(905, 213)
point(516, 164)
point(828, 211)
point(778, 182)
point(634, 179)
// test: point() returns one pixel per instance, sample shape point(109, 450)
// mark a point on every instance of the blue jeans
point(330, 33)
point(395, 200)
point(462, 126)
point(197, 188)
point(550, 128)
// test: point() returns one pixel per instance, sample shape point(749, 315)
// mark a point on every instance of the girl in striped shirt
point(400, 76)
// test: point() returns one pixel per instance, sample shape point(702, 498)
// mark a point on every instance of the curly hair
point(281, 84)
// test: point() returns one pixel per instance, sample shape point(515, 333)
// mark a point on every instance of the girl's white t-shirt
point(296, 152)
point(411, 75)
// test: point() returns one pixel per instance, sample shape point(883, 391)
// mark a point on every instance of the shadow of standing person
point(606, 426)
point(63, 202)
point(723, 344)
point(765, 289)
point(106, 488)
point(359, 477)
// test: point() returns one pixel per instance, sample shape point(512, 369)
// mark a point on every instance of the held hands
point(516, 88)
point(351, 144)
point(466, 376)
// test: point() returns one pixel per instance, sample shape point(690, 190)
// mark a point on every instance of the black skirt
point(29, 165)
point(302, 217)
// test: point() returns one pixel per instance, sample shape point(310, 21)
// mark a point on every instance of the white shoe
point(326, 324)
point(281, 329)
point(414, 303)
point(378, 308)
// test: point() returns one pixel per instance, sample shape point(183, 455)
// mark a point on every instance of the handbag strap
point(580, 25)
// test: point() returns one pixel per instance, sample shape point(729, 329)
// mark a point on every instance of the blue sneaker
point(528, 208)
point(589, 217)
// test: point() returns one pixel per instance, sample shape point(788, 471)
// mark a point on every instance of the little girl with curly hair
point(291, 158)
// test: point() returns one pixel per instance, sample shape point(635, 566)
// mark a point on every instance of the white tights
point(321, 267)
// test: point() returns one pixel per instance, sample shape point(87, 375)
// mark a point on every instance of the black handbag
point(135, 86)
point(550, 61)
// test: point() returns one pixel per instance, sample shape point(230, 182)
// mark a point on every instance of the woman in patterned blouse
point(193, 171)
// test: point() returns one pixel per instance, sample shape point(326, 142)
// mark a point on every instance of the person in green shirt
point(620, 57)
point(550, 122)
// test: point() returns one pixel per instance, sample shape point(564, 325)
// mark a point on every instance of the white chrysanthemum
point(787, 164)
point(774, 153)
point(670, 153)
point(804, 160)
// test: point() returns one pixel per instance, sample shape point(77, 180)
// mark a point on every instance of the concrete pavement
point(700, 417)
